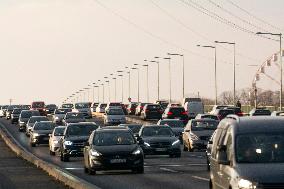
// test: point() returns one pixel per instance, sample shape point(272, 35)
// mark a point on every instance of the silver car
point(54, 139)
point(114, 116)
point(32, 121)
point(84, 108)
point(59, 115)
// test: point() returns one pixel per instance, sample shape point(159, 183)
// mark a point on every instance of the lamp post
point(280, 61)
point(215, 67)
point(129, 91)
point(234, 44)
point(138, 80)
point(94, 92)
point(106, 78)
point(103, 92)
point(158, 79)
point(121, 87)
point(147, 70)
point(170, 79)
point(183, 80)
point(108, 91)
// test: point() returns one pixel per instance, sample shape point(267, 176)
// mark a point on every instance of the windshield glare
point(204, 125)
point(113, 138)
point(157, 131)
point(260, 148)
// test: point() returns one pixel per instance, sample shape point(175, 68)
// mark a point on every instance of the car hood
point(43, 131)
point(116, 149)
point(77, 138)
point(262, 173)
point(159, 139)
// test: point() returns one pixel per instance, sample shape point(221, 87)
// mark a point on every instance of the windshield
point(58, 131)
point(153, 107)
point(38, 105)
point(178, 123)
point(67, 105)
point(114, 112)
point(157, 131)
point(62, 111)
point(44, 126)
point(204, 125)
point(16, 111)
point(37, 119)
point(260, 148)
point(74, 115)
point(113, 138)
point(28, 114)
point(51, 106)
point(82, 105)
point(80, 130)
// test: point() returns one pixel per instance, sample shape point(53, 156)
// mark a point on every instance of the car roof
point(256, 124)
point(83, 123)
point(112, 128)
point(38, 116)
point(130, 124)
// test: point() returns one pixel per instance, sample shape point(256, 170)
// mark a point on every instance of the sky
point(50, 49)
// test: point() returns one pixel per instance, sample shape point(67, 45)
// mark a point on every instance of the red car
point(40, 106)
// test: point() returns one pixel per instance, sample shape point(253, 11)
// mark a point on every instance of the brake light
point(183, 113)
point(240, 114)
point(146, 110)
point(141, 107)
point(170, 113)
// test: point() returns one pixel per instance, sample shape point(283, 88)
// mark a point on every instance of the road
point(189, 171)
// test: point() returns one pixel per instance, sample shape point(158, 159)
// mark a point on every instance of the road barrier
point(53, 170)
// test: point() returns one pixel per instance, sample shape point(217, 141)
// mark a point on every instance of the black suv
point(113, 148)
point(15, 115)
point(175, 113)
point(74, 139)
point(151, 111)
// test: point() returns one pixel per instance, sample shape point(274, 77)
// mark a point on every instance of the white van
point(193, 108)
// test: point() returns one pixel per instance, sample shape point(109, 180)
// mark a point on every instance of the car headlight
point(137, 152)
point(95, 153)
point(68, 143)
point(35, 134)
point(55, 142)
point(245, 184)
point(175, 142)
point(56, 118)
point(146, 144)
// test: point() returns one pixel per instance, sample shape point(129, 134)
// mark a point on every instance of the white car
point(101, 108)
point(114, 116)
point(84, 108)
point(59, 115)
point(54, 139)
point(113, 105)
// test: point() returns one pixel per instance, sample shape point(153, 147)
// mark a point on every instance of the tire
point(51, 153)
point(91, 171)
point(64, 158)
point(138, 170)
point(32, 144)
point(185, 149)
point(86, 170)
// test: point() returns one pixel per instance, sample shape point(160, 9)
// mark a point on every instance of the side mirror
point(86, 143)
point(210, 142)
point(222, 155)
point(187, 131)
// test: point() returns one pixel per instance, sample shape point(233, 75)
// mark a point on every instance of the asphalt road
point(189, 171)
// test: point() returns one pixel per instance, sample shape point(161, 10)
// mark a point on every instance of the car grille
point(160, 144)
point(204, 137)
point(78, 143)
point(270, 186)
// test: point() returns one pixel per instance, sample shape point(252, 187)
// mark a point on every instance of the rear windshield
point(153, 107)
point(204, 125)
point(113, 138)
point(37, 119)
point(210, 117)
point(38, 105)
point(114, 104)
point(103, 105)
point(44, 126)
point(176, 123)
point(74, 115)
point(16, 111)
point(115, 112)
point(51, 106)
point(80, 130)
point(224, 113)
point(28, 114)
point(67, 106)
point(82, 105)
point(266, 112)
point(62, 111)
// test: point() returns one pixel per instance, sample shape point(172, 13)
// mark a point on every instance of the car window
point(38, 105)
point(74, 115)
point(59, 131)
point(157, 131)
point(153, 107)
point(80, 130)
point(38, 119)
point(113, 138)
point(204, 125)
point(115, 112)
point(177, 124)
point(82, 105)
point(67, 106)
point(16, 111)
point(62, 111)
point(44, 126)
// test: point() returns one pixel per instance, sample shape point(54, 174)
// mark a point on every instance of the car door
point(186, 133)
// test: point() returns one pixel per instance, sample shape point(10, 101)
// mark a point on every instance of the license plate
point(118, 161)
point(161, 149)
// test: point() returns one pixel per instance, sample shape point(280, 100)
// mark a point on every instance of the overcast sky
point(50, 49)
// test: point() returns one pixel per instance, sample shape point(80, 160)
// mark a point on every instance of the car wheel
point(32, 144)
point(138, 170)
point(51, 153)
point(64, 158)
point(86, 169)
point(185, 148)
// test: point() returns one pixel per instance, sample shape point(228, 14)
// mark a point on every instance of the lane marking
point(197, 164)
point(74, 168)
point(200, 178)
point(170, 165)
point(169, 170)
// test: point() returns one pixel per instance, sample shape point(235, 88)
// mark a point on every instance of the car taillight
point(183, 113)
point(170, 113)
point(240, 114)
point(141, 107)
point(219, 117)
point(146, 110)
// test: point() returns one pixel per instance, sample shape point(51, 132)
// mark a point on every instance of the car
point(25, 107)
point(209, 116)
point(277, 113)
point(131, 108)
point(3, 110)
point(113, 148)
point(237, 110)
point(248, 152)
point(124, 108)
point(59, 115)
point(139, 108)
point(40, 132)
point(159, 140)
point(163, 103)
point(151, 111)
point(67, 105)
point(175, 113)
point(222, 113)
point(15, 115)
point(260, 112)
point(32, 121)
point(114, 115)
point(193, 108)
point(24, 117)
point(50, 108)
point(74, 139)
point(218, 107)
point(94, 106)
point(113, 104)
point(101, 108)
point(40, 106)
point(209, 150)
point(73, 117)
point(84, 108)
point(197, 133)
point(176, 125)
point(10, 110)
point(54, 139)
point(135, 128)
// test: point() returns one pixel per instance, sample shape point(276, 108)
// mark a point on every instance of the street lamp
point(176, 54)
point(158, 80)
point(129, 91)
point(215, 67)
point(121, 87)
point(147, 69)
point(170, 80)
point(137, 68)
point(234, 44)
point(281, 70)
point(108, 91)
point(114, 88)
